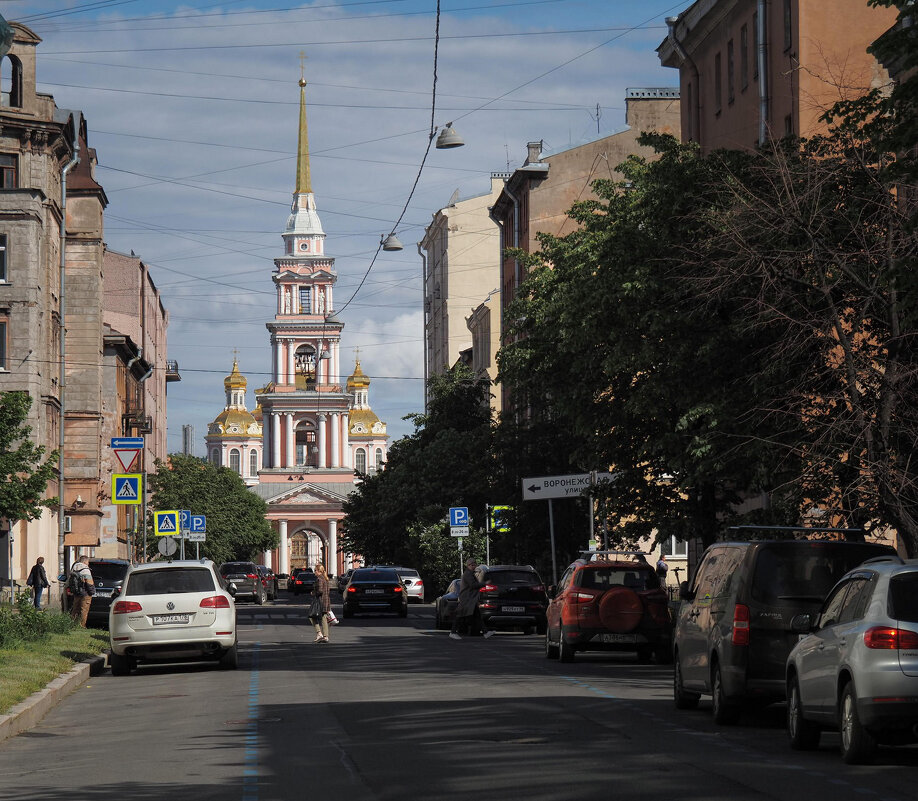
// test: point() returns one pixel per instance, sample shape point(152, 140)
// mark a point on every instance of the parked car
point(268, 581)
point(445, 606)
point(108, 576)
point(609, 601)
point(375, 590)
point(170, 612)
point(858, 670)
point(245, 576)
point(303, 581)
point(282, 580)
point(513, 596)
point(733, 632)
point(414, 586)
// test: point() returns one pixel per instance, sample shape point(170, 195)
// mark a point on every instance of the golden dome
point(358, 379)
point(234, 423)
point(361, 422)
point(235, 380)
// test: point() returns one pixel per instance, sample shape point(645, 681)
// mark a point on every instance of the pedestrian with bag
point(38, 581)
point(467, 607)
point(82, 588)
point(321, 604)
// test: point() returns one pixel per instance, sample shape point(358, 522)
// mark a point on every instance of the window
point(235, 461)
point(215, 457)
point(718, 85)
point(3, 268)
point(755, 46)
point(788, 32)
point(253, 462)
point(9, 173)
point(12, 82)
point(360, 461)
point(674, 547)
point(305, 300)
point(4, 330)
point(731, 82)
point(379, 458)
point(744, 57)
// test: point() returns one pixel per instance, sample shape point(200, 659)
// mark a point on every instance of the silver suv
point(857, 671)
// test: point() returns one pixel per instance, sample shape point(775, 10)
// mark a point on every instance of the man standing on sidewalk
point(82, 588)
point(467, 606)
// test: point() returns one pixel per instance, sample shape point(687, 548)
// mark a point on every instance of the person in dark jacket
point(38, 581)
point(322, 603)
point(467, 607)
point(82, 588)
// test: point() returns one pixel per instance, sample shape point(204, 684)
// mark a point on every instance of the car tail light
point(579, 597)
point(418, 583)
point(397, 588)
point(884, 637)
point(349, 589)
point(124, 607)
point(740, 625)
point(537, 588)
point(488, 588)
point(215, 602)
point(250, 575)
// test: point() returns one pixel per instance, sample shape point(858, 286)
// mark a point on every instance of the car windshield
point(237, 567)
point(794, 571)
point(375, 575)
point(601, 578)
point(106, 571)
point(903, 597)
point(170, 580)
point(510, 578)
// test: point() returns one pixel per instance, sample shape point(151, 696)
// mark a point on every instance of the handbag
point(315, 608)
point(331, 617)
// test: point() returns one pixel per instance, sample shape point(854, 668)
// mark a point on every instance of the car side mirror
point(685, 594)
point(802, 624)
point(231, 588)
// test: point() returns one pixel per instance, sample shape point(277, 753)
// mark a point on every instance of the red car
point(609, 601)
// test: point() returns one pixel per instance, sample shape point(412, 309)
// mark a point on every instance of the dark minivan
point(733, 631)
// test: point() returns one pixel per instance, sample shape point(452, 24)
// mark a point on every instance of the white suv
point(170, 612)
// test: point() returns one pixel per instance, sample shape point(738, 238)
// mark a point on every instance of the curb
point(28, 713)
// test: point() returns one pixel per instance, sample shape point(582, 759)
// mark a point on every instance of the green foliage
point(236, 524)
point(24, 472)
point(25, 623)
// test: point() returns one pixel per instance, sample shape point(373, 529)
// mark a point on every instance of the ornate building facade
point(234, 438)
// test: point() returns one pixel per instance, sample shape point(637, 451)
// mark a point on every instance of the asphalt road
point(391, 709)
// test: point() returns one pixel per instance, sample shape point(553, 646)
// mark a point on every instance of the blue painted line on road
point(250, 774)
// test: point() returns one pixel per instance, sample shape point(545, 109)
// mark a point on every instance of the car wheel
point(551, 650)
point(683, 698)
point(804, 735)
point(120, 665)
point(565, 650)
point(857, 744)
point(725, 713)
point(230, 658)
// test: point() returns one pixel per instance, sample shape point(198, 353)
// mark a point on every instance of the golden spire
point(303, 183)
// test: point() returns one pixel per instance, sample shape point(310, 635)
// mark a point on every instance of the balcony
point(172, 373)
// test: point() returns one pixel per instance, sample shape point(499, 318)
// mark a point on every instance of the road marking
point(250, 767)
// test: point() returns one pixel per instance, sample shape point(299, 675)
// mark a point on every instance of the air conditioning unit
point(67, 522)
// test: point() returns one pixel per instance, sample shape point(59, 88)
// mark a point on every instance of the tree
point(24, 472)
point(236, 525)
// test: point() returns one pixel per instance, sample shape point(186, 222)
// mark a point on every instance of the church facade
point(313, 430)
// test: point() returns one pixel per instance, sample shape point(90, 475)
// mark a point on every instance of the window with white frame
point(253, 462)
point(360, 460)
point(235, 462)
point(673, 546)
point(9, 171)
point(379, 458)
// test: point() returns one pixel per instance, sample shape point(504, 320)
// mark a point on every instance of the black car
point(269, 581)
point(513, 596)
point(375, 590)
point(108, 576)
point(446, 606)
point(246, 578)
point(303, 581)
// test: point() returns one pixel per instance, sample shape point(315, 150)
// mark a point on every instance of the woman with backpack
point(81, 588)
point(38, 581)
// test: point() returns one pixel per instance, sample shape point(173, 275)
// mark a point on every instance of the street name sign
point(127, 488)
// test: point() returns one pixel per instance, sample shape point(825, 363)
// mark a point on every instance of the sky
point(193, 110)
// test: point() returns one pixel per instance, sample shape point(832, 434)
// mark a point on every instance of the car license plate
point(617, 638)
point(168, 620)
point(513, 609)
point(103, 593)
point(374, 592)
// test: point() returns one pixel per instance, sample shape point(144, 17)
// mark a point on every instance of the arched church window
point(360, 460)
point(305, 360)
point(12, 82)
point(307, 450)
point(253, 462)
point(379, 458)
point(215, 457)
point(235, 461)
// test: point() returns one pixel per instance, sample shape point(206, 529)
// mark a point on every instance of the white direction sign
point(196, 536)
point(544, 487)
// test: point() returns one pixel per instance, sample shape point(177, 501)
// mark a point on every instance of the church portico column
point(275, 440)
point(335, 439)
point(283, 555)
point(332, 566)
point(321, 440)
point(346, 439)
point(291, 449)
point(291, 367)
point(267, 559)
point(279, 362)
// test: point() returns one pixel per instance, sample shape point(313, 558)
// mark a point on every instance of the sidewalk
point(28, 713)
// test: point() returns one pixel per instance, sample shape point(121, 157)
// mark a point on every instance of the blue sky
point(192, 108)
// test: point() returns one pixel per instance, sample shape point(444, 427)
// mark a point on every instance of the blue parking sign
point(198, 524)
point(459, 516)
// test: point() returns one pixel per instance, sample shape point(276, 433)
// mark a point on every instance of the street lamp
point(392, 242)
point(448, 138)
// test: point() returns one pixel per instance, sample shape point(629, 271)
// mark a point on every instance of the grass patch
point(32, 654)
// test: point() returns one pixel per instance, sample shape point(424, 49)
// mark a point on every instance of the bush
point(24, 622)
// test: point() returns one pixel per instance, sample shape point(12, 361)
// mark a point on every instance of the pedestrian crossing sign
point(127, 488)
point(166, 523)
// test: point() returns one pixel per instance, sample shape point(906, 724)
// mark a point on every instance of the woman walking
point(321, 604)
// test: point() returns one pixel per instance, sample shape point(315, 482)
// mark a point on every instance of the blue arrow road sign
point(128, 442)
point(459, 516)
point(198, 524)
